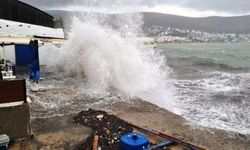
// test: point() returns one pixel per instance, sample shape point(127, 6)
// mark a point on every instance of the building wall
point(13, 28)
point(18, 11)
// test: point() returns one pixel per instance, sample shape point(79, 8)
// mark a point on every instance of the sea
point(212, 82)
point(206, 83)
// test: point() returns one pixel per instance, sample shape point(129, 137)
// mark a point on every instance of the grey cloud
point(234, 6)
point(231, 6)
point(44, 4)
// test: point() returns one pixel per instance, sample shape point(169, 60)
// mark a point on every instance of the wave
point(111, 59)
point(203, 62)
point(221, 100)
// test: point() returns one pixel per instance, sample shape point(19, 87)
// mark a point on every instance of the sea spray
point(109, 57)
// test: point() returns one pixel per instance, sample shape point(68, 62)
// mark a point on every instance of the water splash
point(108, 57)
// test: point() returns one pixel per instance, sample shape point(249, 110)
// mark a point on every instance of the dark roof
point(16, 10)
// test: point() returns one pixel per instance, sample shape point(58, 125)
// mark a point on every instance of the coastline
point(60, 132)
point(143, 114)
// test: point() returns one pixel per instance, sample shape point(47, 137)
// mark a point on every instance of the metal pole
point(4, 55)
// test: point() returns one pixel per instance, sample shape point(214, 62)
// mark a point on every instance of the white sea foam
point(219, 101)
point(111, 59)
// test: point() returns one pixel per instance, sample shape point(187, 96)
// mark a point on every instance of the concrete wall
point(15, 121)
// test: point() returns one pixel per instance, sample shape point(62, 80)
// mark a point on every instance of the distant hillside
point(60, 13)
point(239, 24)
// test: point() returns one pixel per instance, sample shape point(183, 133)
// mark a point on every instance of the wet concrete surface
point(54, 133)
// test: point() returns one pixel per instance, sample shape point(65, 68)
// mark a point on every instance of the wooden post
point(4, 55)
point(95, 143)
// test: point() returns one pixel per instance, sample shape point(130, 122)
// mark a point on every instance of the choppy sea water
point(212, 83)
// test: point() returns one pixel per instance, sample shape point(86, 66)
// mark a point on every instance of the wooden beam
point(25, 40)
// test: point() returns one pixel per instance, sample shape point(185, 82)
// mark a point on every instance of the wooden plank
point(171, 138)
point(12, 91)
point(95, 143)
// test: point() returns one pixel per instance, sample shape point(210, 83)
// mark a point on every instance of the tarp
point(34, 60)
point(22, 55)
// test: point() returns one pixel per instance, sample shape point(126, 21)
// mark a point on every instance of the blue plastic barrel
point(134, 141)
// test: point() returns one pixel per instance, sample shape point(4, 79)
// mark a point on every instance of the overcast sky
point(194, 8)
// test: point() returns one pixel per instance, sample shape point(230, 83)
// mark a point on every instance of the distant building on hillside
point(15, 10)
